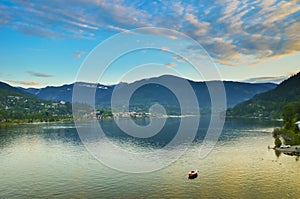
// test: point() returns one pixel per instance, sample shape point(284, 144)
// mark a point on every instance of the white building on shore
point(298, 123)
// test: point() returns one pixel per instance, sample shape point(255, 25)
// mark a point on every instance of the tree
point(288, 114)
point(276, 132)
point(297, 110)
point(278, 142)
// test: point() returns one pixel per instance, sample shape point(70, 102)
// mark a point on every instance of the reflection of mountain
point(149, 94)
point(270, 103)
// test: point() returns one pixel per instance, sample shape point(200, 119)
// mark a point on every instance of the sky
point(46, 43)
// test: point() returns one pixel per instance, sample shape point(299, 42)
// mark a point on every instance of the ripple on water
point(41, 161)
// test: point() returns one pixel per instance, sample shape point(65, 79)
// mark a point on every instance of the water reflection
point(49, 161)
point(66, 132)
point(277, 153)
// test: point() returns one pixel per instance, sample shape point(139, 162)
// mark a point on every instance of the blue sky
point(45, 42)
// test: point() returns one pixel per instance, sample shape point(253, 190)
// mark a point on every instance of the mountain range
point(243, 99)
point(150, 93)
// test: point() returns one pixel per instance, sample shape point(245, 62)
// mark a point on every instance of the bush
point(277, 142)
point(276, 132)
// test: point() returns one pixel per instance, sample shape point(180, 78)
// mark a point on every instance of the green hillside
point(269, 104)
point(16, 105)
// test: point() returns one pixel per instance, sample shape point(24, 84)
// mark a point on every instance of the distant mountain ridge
point(6, 88)
point(148, 94)
point(270, 103)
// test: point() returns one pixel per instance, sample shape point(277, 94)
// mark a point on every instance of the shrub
point(277, 142)
point(276, 132)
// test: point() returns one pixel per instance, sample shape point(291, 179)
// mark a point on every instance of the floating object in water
point(193, 174)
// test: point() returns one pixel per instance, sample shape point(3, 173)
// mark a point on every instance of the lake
point(48, 160)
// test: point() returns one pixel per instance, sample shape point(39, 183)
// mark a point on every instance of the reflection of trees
point(59, 132)
point(9, 134)
point(277, 153)
point(297, 158)
point(5, 140)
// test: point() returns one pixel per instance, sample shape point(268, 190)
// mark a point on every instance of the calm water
point(49, 161)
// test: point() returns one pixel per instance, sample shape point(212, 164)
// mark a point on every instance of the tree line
point(290, 131)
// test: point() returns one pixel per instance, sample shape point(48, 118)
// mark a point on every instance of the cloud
point(233, 32)
point(32, 73)
point(274, 79)
point(178, 58)
point(197, 27)
point(117, 28)
point(24, 83)
point(164, 48)
point(171, 65)
point(194, 47)
point(167, 33)
point(172, 37)
point(79, 54)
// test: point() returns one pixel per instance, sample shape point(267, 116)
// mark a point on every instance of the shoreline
point(292, 150)
point(15, 122)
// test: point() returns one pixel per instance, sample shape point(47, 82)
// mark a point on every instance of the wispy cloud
point(117, 28)
point(36, 74)
point(23, 83)
point(164, 48)
point(274, 79)
point(79, 54)
point(232, 31)
point(178, 58)
point(171, 65)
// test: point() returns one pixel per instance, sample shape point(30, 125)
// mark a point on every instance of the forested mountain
point(19, 105)
point(148, 94)
point(49, 103)
point(271, 103)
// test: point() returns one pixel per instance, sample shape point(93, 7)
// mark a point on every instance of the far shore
point(16, 122)
point(71, 119)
